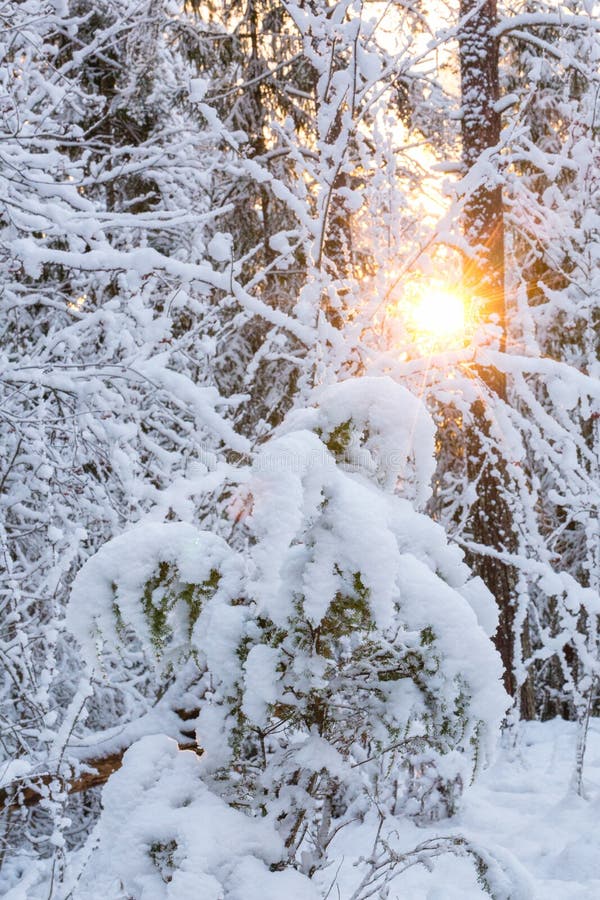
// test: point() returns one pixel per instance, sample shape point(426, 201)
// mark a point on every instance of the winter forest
point(299, 449)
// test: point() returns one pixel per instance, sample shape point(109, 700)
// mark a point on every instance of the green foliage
point(162, 855)
point(338, 440)
point(164, 591)
point(427, 636)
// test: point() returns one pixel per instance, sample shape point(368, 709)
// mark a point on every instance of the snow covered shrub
point(344, 658)
point(370, 678)
point(158, 583)
point(164, 834)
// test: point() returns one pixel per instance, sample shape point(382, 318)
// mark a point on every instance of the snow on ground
point(525, 804)
point(521, 810)
point(521, 807)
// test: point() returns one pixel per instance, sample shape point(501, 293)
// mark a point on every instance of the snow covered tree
point(129, 292)
point(109, 328)
point(208, 210)
point(490, 519)
point(332, 677)
point(551, 201)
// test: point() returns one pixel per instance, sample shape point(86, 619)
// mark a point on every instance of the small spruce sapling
point(370, 679)
point(344, 660)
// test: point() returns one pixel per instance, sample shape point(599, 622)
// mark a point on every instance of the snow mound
point(163, 835)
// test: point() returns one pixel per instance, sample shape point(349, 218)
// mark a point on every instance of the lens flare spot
point(439, 316)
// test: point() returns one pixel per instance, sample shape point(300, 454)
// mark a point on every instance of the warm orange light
point(427, 316)
point(438, 317)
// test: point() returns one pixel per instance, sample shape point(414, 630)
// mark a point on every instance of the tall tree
point(552, 200)
point(491, 524)
point(503, 514)
point(483, 212)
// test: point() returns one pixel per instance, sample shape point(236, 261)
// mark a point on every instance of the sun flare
point(439, 316)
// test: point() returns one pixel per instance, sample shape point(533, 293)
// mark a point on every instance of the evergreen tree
point(330, 674)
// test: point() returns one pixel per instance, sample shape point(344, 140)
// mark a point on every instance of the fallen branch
point(31, 790)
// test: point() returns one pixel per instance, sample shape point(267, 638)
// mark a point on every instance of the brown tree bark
point(483, 220)
point(491, 523)
point(30, 791)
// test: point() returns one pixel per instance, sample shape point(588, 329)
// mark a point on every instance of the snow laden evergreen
point(343, 660)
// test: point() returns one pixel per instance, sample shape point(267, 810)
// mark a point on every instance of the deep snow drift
point(521, 807)
point(521, 810)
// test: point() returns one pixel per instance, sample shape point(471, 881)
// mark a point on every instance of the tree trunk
point(481, 124)
point(491, 522)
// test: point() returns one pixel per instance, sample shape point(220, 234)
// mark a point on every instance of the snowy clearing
point(522, 806)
